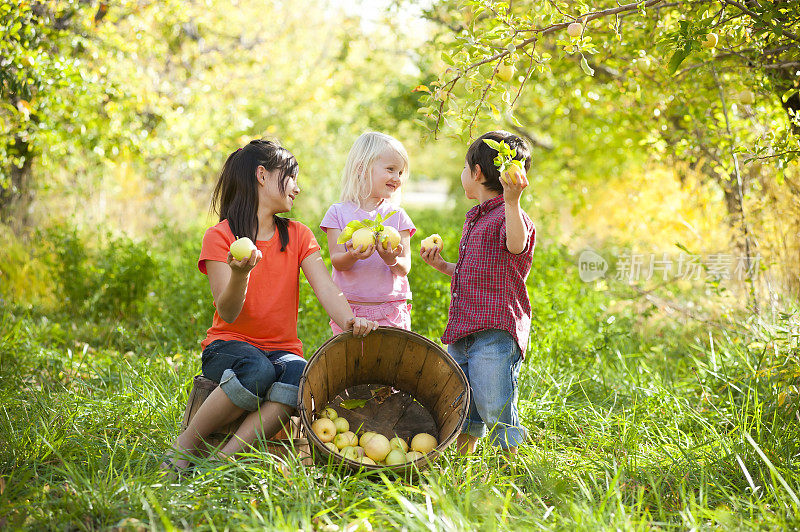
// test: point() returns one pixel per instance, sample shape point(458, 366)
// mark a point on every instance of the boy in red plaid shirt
point(490, 314)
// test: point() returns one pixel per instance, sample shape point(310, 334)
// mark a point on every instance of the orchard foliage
point(637, 71)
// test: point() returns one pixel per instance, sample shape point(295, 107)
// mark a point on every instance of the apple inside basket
point(392, 382)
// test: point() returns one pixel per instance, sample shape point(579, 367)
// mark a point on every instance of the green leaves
point(505, 155)
point(376, 225)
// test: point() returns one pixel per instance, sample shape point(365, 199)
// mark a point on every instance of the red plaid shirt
point(488, 286)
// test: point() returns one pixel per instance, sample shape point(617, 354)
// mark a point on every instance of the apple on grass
point(423, 443)
point(342, 425)
point(431, 242)
point(324, 429)
point(242, 248)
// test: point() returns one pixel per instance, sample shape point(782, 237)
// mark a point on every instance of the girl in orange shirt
point(252, 349)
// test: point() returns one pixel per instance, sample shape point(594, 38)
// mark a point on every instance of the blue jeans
point(250, 376)
point(491, 360)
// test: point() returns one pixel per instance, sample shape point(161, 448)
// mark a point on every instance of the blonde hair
point(357, 174)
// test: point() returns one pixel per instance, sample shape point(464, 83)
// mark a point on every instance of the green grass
point(636, 422)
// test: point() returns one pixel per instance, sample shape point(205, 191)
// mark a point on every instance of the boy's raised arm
point(516, 232)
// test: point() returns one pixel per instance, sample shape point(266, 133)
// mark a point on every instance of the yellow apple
point(644, 64)
point(399, 443)
point(366, 460)
point(345, 439)
point(342, 425)
point(395, 457)
point(331, 446)
point(512, 174)
point(324, 429)
point(363, 237)
point(432, 241)
point(389, 237)
point(242, 248)
point(350, 453)
point(365, 438)
point(575, 29)
point(711, 41)
point(413, 455)
point(423, 443)
point(747, 97)
point(377, 447)
point(329, 413)
point(505, 72)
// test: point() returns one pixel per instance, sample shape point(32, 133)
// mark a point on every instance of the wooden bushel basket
point(406, 383)
point(280, 444)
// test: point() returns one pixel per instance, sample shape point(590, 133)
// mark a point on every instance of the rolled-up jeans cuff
point(238, 394)
point(283, 393)
point(506, 437)
point(475, 429)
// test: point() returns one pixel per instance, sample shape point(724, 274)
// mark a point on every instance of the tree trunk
point(17, 197)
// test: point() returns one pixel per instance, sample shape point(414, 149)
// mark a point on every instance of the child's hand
point(359, 252)
point(361, 326)
point(433, 257)
point(389, 256)
point(514, 182)
point(246, 265)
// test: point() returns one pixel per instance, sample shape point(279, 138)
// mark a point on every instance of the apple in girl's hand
point(433, 241)
point(395, 457)
point(329, 413)
point(242, 248)
point(389, 237)
point(324, 429)
point(423, 443)
point(342, 425)
point(399, 443)
point(363, 237)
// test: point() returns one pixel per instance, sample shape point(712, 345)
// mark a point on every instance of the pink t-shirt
point(369, 280)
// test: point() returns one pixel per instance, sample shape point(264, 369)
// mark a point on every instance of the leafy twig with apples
point(511, 170)
point(375, 227)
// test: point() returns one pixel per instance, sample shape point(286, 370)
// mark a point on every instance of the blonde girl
point(374, 279)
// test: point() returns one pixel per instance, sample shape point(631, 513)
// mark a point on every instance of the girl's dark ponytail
point(235, 196)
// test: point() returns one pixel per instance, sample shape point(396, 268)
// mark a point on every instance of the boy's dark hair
point(479, 153)
point(235, 196)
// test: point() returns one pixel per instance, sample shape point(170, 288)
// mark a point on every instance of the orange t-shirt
point(268, 319)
